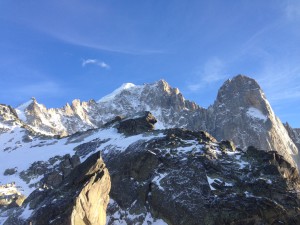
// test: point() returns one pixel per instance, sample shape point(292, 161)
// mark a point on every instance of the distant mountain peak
point(240, 83)
point(24, 105)
point(243, 90)
point(125, 86)
point(240, 113)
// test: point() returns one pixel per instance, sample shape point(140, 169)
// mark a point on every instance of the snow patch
point(23, 106)
point(27, 212)
point(157, 180)
point(256, 114)
point(242, 164)
point(210, 181)
point(21, 110)
point(111, 96)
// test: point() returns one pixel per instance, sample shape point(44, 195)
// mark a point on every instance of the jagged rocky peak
point(244, 90)
point(31, 107)
point(8, 117)
point(242, 113)
point(7, 112)
point(165, 86)
point(137, 123)
point(170, 97)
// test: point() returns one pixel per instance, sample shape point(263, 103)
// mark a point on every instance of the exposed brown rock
point(81, 199)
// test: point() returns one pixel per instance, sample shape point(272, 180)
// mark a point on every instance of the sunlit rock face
point(81, 198)
point(242, 113)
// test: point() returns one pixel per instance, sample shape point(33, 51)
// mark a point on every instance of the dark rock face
point(81, 198)
point(187, 177)
point(10, 171)
point(142, 122)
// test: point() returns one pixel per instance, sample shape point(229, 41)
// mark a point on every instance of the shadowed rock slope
point(187, 177)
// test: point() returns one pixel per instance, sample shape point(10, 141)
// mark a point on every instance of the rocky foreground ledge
point(186, 177)
point(81, 198)
point(171, 176)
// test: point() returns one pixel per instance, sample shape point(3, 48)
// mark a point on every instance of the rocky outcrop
point(139, 123)
point(9, 120)
point(188, 177)
point(81, 199)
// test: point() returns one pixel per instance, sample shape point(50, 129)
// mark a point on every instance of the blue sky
point(60, 50)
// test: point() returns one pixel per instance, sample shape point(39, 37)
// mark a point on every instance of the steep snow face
point(256, 114)
point(243, 114)
point(21, 109)
point(111, 96)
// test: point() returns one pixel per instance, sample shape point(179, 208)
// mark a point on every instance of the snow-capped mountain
point(57, 166)
point(158, 98)
point(154, 175)
point(240, 113)
point(61, 121)
point(243, 114)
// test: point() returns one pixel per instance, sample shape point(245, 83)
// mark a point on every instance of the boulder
point(139, 123)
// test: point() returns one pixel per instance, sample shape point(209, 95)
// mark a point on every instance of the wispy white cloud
point(95, 62)
point(212, 71)
point(89, 43)
point(93, 31)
